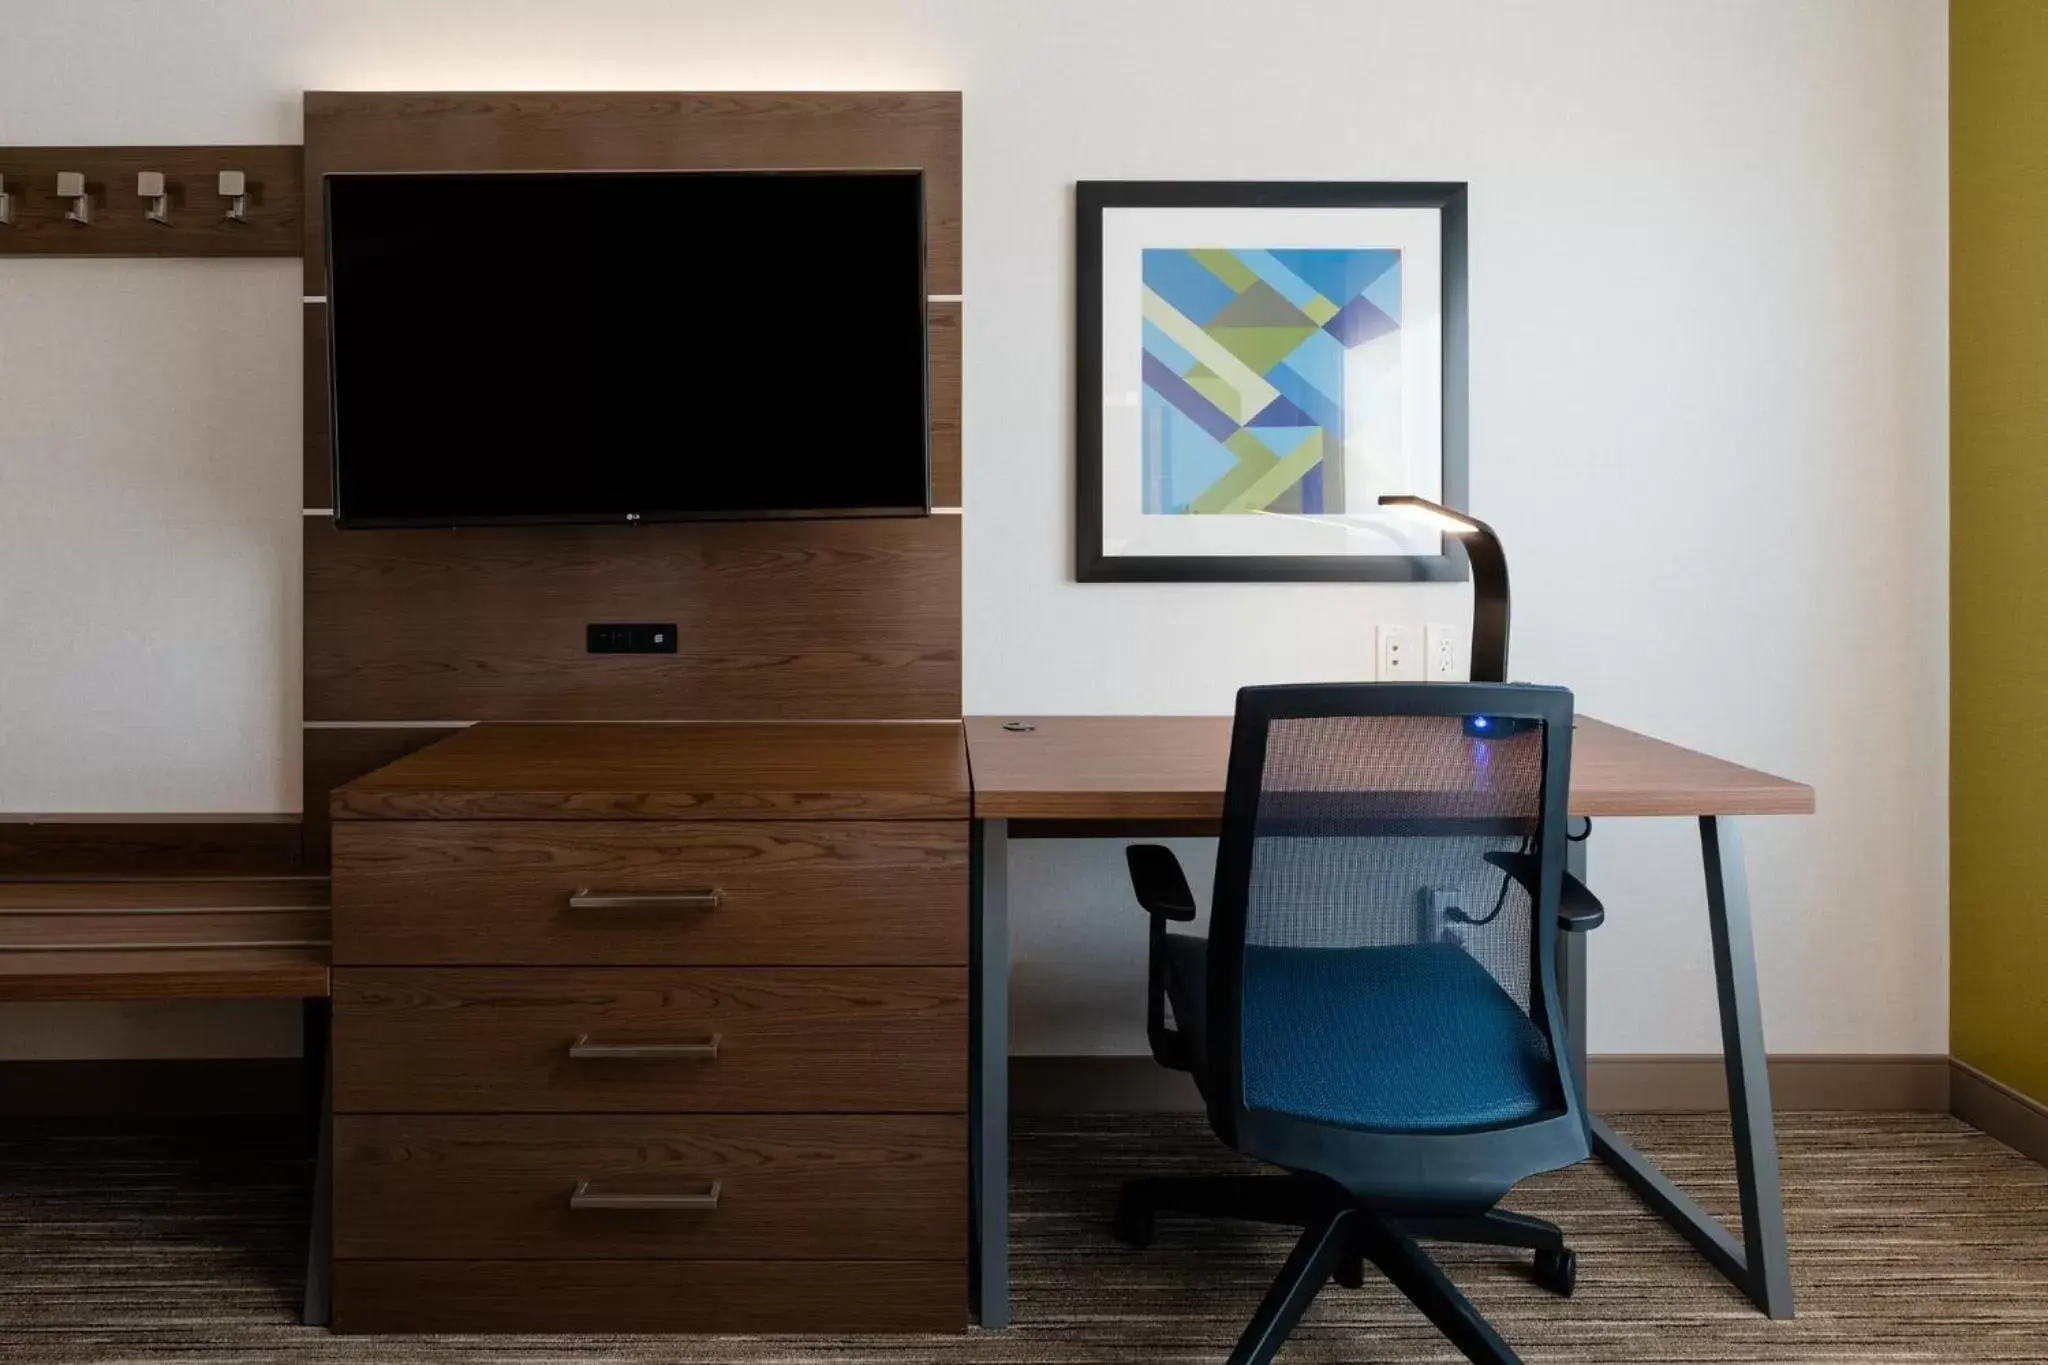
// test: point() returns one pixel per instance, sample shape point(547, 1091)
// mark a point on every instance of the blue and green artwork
point(1249, 356)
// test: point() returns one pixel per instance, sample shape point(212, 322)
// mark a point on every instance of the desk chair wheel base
point(1558, 1271)
point(1340, 1236)
point(1288, 1200)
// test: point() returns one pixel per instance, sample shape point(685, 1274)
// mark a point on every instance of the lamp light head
point(1431, 514)
point(1489, 563)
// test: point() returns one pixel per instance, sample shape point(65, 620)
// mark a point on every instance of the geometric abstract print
point(1250, 357)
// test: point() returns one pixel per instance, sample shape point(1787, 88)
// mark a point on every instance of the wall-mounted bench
point(181, 938)
point(116, 911)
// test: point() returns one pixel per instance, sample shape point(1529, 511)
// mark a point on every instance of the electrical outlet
point(1394, 663)
point(1439, 652)
point(1434, 916)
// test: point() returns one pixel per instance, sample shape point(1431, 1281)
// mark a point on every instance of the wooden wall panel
point(824, 620)
point(944, 322)
point(622, 130)
point(832, 620)
point(66, 846)
point(198, 223)
point(319, 469)
point(333, 757)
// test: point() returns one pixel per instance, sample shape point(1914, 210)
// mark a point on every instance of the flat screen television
point(630, 346)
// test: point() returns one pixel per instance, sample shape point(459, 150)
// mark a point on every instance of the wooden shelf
point(233, 938)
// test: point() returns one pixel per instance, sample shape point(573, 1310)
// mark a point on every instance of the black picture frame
point(1091, 199)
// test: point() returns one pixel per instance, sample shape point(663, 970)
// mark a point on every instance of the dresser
point(654, 1028)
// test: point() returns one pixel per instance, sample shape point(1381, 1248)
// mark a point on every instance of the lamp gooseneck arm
point(1489, 603)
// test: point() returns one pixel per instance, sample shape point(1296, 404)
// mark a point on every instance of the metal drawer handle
point(585, 1196)
point(706, 899)
point(705, 1049)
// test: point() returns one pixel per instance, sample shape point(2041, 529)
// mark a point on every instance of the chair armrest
point(1160, 885)
point(1578, 909)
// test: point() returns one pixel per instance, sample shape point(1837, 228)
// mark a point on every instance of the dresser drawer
point(775, 893)
point(651, 1296)
point(650, 1040)
point(739, 1187)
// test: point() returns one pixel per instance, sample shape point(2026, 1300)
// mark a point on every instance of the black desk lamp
point(1489, 580)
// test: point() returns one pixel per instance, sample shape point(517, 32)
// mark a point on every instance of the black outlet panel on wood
point(644, 638)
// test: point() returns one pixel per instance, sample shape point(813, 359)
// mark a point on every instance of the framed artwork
point(1258, 364)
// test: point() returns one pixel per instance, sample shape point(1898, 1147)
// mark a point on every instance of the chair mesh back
point(1372, 833)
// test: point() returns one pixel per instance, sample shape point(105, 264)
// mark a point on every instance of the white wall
point(1708, 366)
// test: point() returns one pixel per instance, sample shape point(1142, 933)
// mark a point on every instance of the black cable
point(1458, 916)
point(1500, 901)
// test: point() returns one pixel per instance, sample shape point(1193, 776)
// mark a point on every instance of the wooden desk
point(1121, 776)
point(1165, 768)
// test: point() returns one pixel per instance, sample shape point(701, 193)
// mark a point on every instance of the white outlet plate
point(1395, 663)
point(1439, 652)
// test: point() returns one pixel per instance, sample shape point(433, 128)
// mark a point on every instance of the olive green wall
point(1999, 562)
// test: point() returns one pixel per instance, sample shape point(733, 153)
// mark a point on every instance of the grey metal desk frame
point(1758, 1264)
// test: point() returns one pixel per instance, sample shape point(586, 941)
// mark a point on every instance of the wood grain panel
point(811, 893)
point(198, 223)
point(96, 847)
point(335, 757)
point(650, 1296)
point(178, 974)
point(802, 1186)
point(171, 895)
point(624, 130)
point(846, 1040)
point(104, 930)
point(688, 771)
point(791, 620)
point(1107, 768)
point(164, 939)
point(319, 469)
point(944, 362)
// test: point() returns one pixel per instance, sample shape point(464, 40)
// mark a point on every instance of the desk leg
point(319, 1063)
point(1760, 1266)
point(1571, 975)
point(989, 1072)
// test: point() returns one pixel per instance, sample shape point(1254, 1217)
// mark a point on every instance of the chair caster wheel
point(1558, 1271)
point(1133, 1226)
point(1350, 1272)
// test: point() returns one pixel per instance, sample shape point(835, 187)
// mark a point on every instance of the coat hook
point(71, 185)
point(234, 187)
point(150, 186)
point(6, 204)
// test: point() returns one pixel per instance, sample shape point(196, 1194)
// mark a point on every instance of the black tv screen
point(509, 348)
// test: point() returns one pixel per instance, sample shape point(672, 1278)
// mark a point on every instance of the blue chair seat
point(1418, 1038)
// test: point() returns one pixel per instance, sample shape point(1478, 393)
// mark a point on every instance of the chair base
point(1339, 1235)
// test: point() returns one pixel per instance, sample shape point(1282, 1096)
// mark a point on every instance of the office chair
point(1375, 1008)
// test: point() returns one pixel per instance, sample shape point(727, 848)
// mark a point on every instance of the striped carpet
point(1914, 1239)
